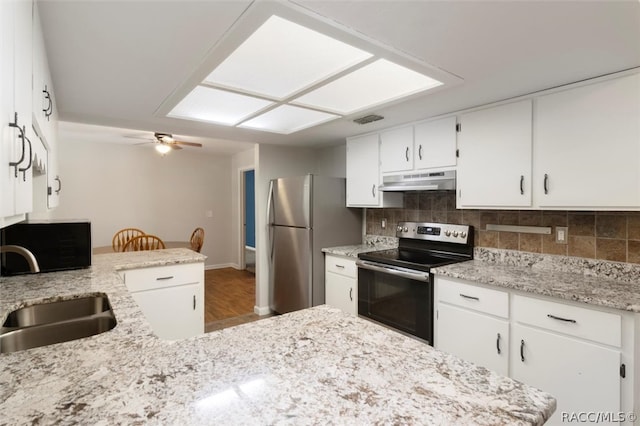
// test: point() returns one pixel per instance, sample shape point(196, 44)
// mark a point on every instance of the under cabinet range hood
point(434, 181)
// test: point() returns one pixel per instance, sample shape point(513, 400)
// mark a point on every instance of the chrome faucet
point(29, 257)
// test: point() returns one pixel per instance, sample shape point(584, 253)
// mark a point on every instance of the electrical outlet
point(561, 234)
point(383, 223)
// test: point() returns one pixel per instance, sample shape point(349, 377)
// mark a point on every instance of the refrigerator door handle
point(269, 223)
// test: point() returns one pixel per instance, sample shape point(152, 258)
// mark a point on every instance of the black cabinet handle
point(521, 184)
point(59, 184)
point(546, 183)
point(194, 302)
point(24, 169)
point(406, 153)
point(498, 344)
point(164, 278)
point(49, 109)
point(561, 319)
point(420, 152)
point(522, 350)
point(373, 190)
point(469, 297)
point(22, 131)
point(351, 294)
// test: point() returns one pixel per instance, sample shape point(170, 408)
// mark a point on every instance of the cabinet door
point(363, 171)
point(435, 144)
point(173, 312)
point(7, 177)
point(587, 146)
point(494, 167)
point(341, 292)
point(583, 377)
point(474, 337)
point(396, 150)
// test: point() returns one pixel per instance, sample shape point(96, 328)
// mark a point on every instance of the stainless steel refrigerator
point(306, 214)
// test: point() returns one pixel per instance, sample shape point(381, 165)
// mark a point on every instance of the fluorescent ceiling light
point(379, 82)
point(288, 119)
point(281, 58)
point(217, 106)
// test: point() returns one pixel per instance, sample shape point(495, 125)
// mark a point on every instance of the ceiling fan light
point(163, 148)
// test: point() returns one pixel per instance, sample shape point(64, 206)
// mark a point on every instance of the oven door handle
point(404, 273)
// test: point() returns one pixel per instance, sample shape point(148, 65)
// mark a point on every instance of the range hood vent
point(435, 181)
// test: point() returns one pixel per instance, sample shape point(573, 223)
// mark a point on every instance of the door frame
point(241, 208)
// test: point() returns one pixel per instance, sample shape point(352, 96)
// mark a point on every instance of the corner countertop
point(371, 243)
point(600, 283)
point(312, 366)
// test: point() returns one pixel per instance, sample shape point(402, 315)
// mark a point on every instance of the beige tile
point(451, 200)
point(425, 200)
point(508, 240)
point(411, 200)
point(530, 218)
point(439, 216)
point(633, 251)
point(487, 216)
point(471, 217)
point(611, 226)
point(611, 249)
point(582, 225)
point(633, 227)
point(439, 201)
point(531, 243)
point(487, 239)
point(549, 246)
point(425, 215)
point(582, 246)
point(412, 215)
point(508, 217)
point(554, 219)
point(454, 217)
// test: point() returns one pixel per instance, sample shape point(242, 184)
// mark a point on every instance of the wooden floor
point(230, 296)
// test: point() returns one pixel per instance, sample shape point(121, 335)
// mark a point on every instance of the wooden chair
point(144, 242)
point(197, 239)
point(123, 236)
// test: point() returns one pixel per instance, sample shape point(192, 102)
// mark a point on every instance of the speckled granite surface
point(313, 366)
point(609, 284)
point(371, 243)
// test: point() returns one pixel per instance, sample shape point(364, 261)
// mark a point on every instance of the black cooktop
point(411, 259)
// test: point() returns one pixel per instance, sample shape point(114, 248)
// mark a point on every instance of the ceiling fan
point(164, 142)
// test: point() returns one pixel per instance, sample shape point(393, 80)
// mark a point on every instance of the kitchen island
point(307, 367)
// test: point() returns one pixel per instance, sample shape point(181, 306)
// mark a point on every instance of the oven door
point(397, 297)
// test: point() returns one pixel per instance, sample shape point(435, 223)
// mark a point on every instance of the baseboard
point(222, 265)
point(261, 310)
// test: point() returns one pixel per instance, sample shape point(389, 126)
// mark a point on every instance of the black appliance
point(56, 245)
point(395, 287)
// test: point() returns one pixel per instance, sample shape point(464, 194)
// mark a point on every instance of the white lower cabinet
point(582, 376)
point(341, 283)
point(171, 298)
point(582, 356)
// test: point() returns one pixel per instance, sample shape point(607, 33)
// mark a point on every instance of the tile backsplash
point(605, 235)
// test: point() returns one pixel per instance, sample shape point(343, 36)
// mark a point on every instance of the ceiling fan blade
point(199, 145)
point(174, 145)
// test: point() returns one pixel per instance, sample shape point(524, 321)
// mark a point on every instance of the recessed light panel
point(281, 58)
point(379, 82)
point(217, 106)
point(288, 119)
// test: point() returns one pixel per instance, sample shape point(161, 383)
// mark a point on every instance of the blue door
point(249, 208)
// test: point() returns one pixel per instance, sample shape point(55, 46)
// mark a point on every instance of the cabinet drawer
point(341, 265)
point(163, 276)
point(586, 323)
point(479, 299)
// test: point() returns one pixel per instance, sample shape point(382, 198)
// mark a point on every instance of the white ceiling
point(121, 63)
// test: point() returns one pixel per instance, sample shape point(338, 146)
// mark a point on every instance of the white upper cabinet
point(587, 146)
point(494, 164)
point(396, 150)
point(435, 144)
point(363, 174)
point(16, 152)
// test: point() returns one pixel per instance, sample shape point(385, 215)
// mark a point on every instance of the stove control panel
point(434, 232)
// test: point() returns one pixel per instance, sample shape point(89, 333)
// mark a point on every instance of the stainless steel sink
point(56, 322)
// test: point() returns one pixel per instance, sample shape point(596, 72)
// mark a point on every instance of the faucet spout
point(29, 257)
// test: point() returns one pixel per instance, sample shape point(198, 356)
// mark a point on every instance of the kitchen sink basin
point(56, 322)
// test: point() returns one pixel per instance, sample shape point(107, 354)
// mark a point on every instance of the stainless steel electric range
point(395, 287)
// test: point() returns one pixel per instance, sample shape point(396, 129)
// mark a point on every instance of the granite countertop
point(371, 243)
point(312, 366)
point(608, 284)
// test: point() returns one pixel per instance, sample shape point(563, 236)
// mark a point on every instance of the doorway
point(249, 221)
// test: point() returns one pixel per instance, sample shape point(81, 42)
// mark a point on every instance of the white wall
point(240, 162)
point(119, 186)
point(332, 161)
point(273, 162)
